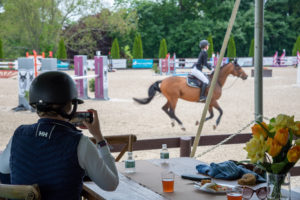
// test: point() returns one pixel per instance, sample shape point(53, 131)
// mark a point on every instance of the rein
point(231, 84)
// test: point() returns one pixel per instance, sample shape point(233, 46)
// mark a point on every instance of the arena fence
point(185, 143)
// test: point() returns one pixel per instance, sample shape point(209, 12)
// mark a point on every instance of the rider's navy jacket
point(45, 153)
point(202, 60)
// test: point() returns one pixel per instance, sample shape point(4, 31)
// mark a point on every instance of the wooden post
point(185, 146)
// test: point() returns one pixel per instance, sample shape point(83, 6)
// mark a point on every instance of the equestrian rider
point(197, 69)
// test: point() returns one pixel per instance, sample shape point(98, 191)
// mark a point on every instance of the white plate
point(206, 188)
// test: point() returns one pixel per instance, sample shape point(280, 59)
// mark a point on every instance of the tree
point(163, 50)
point(211, 46)
point(251, 49)
point(296, 46)
point(1, 50)
point(37, 25)
point(137, 50)
point(231, 50)
point(61, 52)
point(96, 32)
point(115, 51)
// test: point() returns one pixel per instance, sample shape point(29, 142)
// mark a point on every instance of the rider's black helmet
point(53, 88)
point(203, 43)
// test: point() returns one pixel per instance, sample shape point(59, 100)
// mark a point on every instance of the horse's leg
point(166, 108)
point(172, 113)
point(211, 115)
point(216, 105)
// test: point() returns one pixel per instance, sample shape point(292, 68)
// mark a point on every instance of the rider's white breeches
point(199, 75)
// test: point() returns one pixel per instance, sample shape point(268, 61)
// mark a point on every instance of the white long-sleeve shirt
point(96, 161)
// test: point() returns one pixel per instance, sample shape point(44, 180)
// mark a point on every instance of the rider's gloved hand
point(209, 66)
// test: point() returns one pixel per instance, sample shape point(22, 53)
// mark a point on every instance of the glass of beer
point(167, 178)
point(235, 193)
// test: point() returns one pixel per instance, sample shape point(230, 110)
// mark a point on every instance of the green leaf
point(264, 166)
point(278, 167)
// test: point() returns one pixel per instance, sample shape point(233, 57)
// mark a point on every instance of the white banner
point(119, 63)
point(245, 62)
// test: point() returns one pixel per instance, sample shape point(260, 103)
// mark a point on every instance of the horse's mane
point(212, 74)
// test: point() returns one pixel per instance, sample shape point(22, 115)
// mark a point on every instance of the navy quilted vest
point(46, 153)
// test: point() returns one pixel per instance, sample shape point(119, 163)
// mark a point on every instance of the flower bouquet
point(275, 148)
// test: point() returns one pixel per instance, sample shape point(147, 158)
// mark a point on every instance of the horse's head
point(238, 71)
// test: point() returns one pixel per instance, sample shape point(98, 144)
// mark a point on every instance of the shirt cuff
point(104, 151)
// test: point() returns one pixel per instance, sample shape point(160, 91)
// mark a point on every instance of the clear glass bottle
point(129, 163)
point(164, 153)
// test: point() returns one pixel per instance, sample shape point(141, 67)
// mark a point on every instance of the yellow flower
point(257, 130)
point(283, 121)
point(275, 148)
point(297, 132)
point(293, 154)
point(256, 148)
point(282, 136)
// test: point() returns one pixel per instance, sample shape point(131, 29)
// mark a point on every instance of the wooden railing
point(185, 143)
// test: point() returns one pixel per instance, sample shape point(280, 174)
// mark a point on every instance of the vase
point(279, 186)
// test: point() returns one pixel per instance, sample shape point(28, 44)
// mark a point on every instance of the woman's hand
point(94, 127)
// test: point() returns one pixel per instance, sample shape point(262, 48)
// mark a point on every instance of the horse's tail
point(151, 92)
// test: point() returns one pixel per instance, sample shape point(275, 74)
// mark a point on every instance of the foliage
point(61, 52)
point(275, 141)
point(88, 27)
point(155, 68)
point(251, 49)
point(296, 46)
point(127, 52)
point(137, 49)
point(211, 46)
point(115, 51)
point(92, 85)
point(231, 50)
point(163, 50)
point(37, 25)
point(96, 32)
point(1, 50)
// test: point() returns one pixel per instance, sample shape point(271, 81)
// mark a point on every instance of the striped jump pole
point(80, 67)
point(101, 80)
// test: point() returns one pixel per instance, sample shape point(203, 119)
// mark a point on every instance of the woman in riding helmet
point(197, 69)
point(52, 152)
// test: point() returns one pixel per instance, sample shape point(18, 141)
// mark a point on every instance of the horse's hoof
point(183, 129)
point(172, 124)
point(214, 127)
point(197, 123)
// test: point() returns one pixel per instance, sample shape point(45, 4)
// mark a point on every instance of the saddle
point(193, 81)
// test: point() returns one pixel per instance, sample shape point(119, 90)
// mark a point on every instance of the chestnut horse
point(176, 87)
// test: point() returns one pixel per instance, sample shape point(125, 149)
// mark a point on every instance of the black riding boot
point(202, 93)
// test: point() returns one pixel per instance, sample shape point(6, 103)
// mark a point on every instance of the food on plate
point(247, 179)
point(218, 188)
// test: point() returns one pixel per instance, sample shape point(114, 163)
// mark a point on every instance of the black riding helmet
point(203, 43)
point(51, 88)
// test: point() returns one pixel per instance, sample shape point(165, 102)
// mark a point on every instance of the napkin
point(227, 170)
